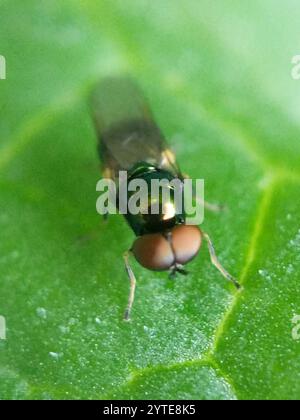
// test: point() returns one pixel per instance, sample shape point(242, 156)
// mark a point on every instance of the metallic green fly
point(129, 140)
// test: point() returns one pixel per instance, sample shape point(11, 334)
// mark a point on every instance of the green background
point(218, 78)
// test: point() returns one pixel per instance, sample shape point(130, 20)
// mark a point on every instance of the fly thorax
point(154, 199)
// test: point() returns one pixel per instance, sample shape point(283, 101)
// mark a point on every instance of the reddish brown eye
point(186, 241)
point(153, 252)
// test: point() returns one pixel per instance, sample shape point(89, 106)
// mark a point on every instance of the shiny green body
point(130, 140)
point(151, 223)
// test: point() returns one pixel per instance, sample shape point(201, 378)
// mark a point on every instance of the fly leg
point(132, 285)
point(168, 159)
point(215, 261)
point(178, 268)
point(213, 207)
point(106, 174)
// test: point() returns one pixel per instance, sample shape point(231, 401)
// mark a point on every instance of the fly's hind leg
point(215, 261)
point(132, 285)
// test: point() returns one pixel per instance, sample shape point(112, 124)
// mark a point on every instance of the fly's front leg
point(132, 285)
point(215, 261)
point(216, 208)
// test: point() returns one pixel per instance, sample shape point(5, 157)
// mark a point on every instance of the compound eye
point(153, 252)
point(186, 241)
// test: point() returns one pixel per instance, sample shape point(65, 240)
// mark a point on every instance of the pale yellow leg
point(107, 173)
point(132, 286)
point(216, 208)
point(216, 262)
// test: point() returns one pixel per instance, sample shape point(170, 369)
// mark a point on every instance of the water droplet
point(55, 356)
point(42, 313)
point(63, 329)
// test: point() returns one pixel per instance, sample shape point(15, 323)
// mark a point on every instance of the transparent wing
point(126, 130)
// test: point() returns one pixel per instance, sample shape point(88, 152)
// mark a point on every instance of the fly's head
point(169, 250)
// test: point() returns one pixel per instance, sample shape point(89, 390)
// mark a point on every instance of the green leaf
point(218, 78)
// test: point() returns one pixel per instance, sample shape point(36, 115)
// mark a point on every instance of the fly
point(130, 140)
